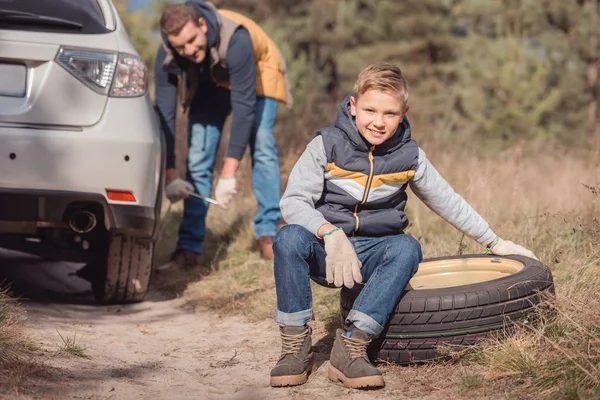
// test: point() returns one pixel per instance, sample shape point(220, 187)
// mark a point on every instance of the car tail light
point(115, 74)
point(120, 195)
point(131, 77)
point(95, 69)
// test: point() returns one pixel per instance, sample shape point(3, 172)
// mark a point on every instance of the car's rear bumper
point(25, 211)
point(47, 171)
point(122, 153)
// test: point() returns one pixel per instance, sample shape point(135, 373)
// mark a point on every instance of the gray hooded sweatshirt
point(309, 179)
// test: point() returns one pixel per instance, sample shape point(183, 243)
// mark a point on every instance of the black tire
point(458, 315)
point(125, 276)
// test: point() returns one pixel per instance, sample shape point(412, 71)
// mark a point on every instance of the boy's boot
point(349, 363)
point(296, 360)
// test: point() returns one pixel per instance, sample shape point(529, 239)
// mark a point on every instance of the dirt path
point(159, 350)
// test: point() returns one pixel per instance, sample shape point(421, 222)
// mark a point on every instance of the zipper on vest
point(370, 180)
point(357, 224)
point(367, 188)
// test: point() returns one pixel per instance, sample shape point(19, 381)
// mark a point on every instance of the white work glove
point(178, 189)
point(226, 189)
point(341, 263)
point(506, 248)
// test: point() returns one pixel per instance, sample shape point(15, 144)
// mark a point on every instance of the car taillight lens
point(131, 77)
point(95, 69)
point(115, 74)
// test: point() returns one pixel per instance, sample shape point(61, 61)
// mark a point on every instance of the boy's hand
point(341, 263)
point(506, 248)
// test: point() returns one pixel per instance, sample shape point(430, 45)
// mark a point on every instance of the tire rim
point(462, 271)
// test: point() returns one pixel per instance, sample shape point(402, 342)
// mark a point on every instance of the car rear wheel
point(456, 301)
point(125, 275)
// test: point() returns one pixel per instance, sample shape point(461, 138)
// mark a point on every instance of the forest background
point(485, 74)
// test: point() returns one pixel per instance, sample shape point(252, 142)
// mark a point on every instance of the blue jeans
point(204, 137)
point(388, 263)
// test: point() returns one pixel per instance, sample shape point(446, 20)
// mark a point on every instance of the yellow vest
point(271, 72)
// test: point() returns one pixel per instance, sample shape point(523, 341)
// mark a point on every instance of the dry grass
point(547, 200)
point(11, 318)
point(71, 345)
point(15, 351)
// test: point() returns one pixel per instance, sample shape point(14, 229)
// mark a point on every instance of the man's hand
point(170, 175)
point(506, 247)
point(226, 189)
point(178, 189)
point(341, 263)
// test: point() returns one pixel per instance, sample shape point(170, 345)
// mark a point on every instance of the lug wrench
point(204, 198)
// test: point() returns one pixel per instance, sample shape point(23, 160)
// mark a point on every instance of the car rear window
point(65, 16)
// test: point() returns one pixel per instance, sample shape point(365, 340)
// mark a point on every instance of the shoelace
point(291, 344)
point(356, 347)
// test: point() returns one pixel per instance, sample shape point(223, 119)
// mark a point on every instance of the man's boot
point(296, 360)
point(349, 363)
point(266, 247)
point(181, 260)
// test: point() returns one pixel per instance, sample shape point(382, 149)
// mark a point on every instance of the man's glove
point(178, 189)
point(501, 247)
point(226, 189)
point(341, 263)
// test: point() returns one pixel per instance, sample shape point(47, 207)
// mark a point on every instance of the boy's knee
point(408, 249)
point(292, 237)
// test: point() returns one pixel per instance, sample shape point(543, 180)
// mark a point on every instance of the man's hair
point(382, 76)
point(176, 16)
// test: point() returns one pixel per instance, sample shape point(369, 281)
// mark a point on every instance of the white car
point(81, 152)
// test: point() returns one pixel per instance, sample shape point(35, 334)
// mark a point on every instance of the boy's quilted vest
point(365, 186)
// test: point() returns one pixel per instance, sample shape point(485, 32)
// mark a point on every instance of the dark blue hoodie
point(211, 104)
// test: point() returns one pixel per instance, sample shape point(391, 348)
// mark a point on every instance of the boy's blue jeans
point(388, 263)
point(204, 137)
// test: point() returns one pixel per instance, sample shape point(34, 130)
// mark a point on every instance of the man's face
point(191, 41)
point(378, 115)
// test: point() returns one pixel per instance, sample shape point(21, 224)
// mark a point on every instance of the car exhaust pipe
point(82, 221)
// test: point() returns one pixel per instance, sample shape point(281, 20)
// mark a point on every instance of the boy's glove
point(505, 247)
point(178, 189)
point(226, 189)
point(341, 263)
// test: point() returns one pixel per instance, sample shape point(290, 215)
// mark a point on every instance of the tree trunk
point(593, 75)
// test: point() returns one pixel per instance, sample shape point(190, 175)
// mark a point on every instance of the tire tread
point(127, 271)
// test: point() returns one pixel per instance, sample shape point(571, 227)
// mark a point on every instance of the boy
point(344, 204)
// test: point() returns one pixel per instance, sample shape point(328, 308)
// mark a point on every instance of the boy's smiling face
point(378, 114)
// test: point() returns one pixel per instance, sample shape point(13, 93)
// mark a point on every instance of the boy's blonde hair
point(382, 76)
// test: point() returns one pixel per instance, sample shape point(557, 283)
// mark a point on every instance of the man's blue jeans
point(204, 137)
point(388, 263)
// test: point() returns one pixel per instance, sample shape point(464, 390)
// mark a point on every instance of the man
point(215, 62)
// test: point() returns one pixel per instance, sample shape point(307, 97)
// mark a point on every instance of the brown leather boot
point(266, 247)
point(181, 260)
point(349, 363)
point(296, 360)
